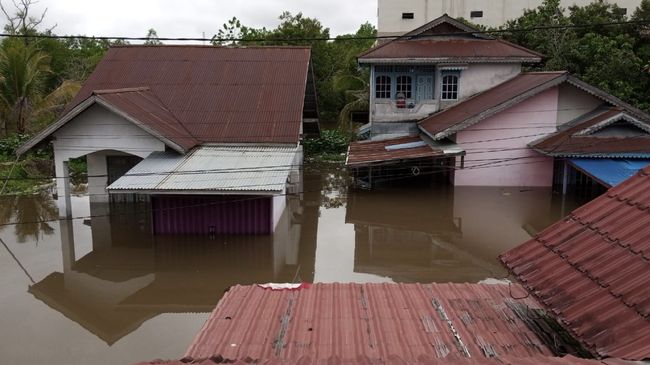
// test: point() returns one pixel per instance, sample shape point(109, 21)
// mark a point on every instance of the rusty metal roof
point(366, 153)
point(396, 360)
point(216, 94)
point(489, 102)
point(575, 139)
point(449, 50)
point(592, 269)
point(374, 321)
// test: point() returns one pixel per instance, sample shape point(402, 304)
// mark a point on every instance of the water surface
point(101, 289)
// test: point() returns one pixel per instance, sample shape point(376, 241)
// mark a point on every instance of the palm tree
point(24, 101)
point(357, 97)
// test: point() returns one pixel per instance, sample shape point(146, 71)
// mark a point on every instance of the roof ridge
point(120, 90)
point(206, 46)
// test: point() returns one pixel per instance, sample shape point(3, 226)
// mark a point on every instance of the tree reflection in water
point(34, 213)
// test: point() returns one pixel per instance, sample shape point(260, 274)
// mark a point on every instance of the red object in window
point(400, 102)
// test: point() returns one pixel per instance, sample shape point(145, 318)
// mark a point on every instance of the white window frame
point(446, 88)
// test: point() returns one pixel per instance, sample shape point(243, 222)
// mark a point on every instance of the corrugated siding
point(369, 152)
point(248, 215)
point(374, 321)
point(592, 269)
point(225, 168)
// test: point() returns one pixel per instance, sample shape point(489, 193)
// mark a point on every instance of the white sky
point(192, 18)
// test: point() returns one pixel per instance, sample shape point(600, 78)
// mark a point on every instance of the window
point(476, 14)
point(382, 87)
point(408, 15)
point(405, 86)
point(450, 87)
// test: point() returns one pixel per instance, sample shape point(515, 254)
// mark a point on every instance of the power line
point(271, 39)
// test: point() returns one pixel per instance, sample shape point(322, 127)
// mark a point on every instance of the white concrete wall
point(573, 102)
point(94, 130)
point(495, 12)
point(474, 79)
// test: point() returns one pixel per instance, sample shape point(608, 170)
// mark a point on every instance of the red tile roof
point(216, 94)
point(489, 102)
point(396, 360)
point(449, 50)
point(569, 142)
point(374, 321)
point(365, 153)
point(592, 269)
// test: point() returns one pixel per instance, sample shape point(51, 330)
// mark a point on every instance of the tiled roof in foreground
point(592, 269)
point(396, 360)
point(371, 321)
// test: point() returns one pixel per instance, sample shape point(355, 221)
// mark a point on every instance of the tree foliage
point(614, 58)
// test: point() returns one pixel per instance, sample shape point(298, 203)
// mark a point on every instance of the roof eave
point(420, 60)
point(494, 110)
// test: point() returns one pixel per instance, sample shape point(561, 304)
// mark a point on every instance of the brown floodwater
point(103, 290)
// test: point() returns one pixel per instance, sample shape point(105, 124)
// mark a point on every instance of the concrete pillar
point(67, 244)
point(65, 202)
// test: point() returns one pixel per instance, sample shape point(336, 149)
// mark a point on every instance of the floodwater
point(101, 289)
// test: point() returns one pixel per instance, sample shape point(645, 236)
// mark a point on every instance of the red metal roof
point(446, 49)
point(569, 142)
point(374, 321)
point(396, 360)
point(218, 94)
point(369, 152)
point(142, 105)
point(592, 269)
point(489, 102)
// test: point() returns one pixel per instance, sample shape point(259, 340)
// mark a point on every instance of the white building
point(397, 17)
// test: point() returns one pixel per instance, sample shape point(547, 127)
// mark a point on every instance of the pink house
point(461, 95)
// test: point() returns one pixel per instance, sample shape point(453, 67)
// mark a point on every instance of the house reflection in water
point(131, 275)
point(446, 234)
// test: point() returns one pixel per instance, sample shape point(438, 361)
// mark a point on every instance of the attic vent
point(408, 15)
point(476, 14)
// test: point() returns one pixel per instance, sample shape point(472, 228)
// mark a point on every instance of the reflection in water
point(38, 209)
point(115, 278)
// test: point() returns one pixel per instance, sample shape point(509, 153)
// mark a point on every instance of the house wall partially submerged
point(497, 147)
point(97, 133)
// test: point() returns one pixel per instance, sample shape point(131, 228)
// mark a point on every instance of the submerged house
point(211, 135)
point(447, 99)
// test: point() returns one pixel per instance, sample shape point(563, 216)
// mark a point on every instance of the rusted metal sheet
point(211, 214)
point(489, 102)
point(592, 269)
point(396, 360)
point(366, 153)
point(572, 141)
point(374, 321)
point(217, 94)
point(445, 49)
point(142, 105)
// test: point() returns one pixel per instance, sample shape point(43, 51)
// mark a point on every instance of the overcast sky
point(192, 18)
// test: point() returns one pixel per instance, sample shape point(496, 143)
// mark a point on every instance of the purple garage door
point(211, 214)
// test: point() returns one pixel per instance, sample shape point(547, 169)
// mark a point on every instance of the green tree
point(152, 38)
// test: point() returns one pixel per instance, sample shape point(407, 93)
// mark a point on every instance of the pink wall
point(497, 151)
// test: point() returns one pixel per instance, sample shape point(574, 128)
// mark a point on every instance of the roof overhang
point(81, 107)
point(439, 60)
point(495, 109)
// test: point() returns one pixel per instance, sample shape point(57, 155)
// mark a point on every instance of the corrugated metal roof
point(365, 153)
point(489, 102)
point(217, 94)
point(573, 141)
point(374, 321)
point(212, 168)
point(396, 360)
point(609, 172)
point(450, 50)
point(592, 269)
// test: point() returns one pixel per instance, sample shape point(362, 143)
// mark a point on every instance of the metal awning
point(211, 169)
point(609, 172)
